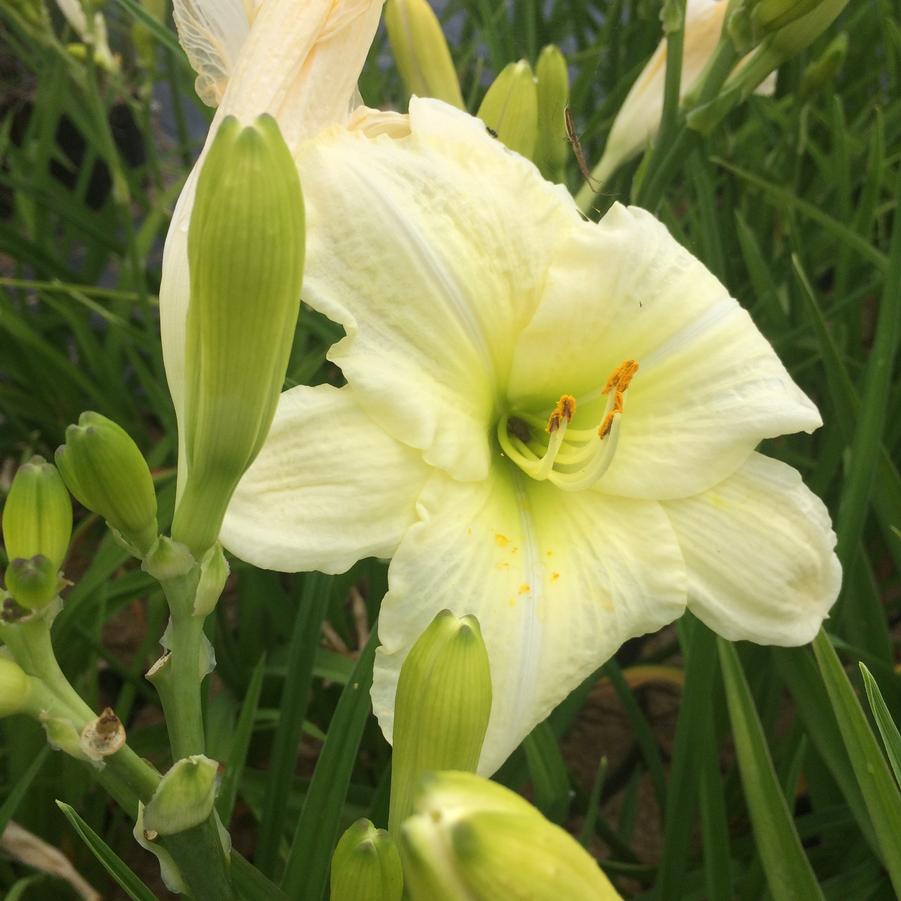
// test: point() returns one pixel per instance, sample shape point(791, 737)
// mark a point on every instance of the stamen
point(574, 458)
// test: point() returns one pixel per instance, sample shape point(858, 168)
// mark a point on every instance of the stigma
point(572, 459)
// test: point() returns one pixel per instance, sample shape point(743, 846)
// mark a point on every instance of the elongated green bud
point(421, 52)
point(553, 97)
point(510, 108)
point(771, 15)
point(366, 866)
point(245, 251)
point(471, 838)
point(37, 518)
point(441, 708)
point(184, 797)
point(107, 473)
point(15, 687)
point(822, 71)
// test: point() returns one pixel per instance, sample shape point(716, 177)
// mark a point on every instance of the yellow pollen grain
point(563, 412)
point(501, 540)
point(524, 588)
point(621, 376)
point(606, 425)
point(555, 576)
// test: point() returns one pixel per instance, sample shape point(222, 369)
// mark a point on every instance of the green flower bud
point(106, 472)
point(421, 52)
point(770, 15)
point(184, 797)
point(510, 108)
point(553, 97)
point(471, 838)
point(822, 71)
point(366, 866)
point(37, 518)
point(441, 709)
point(246, 252)
point(34, 582)
point(15, 687)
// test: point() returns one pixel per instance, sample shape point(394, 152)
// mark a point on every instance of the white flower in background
point(638, 118)
point(548, 423)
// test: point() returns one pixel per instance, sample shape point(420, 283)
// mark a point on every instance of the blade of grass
point(124, 877)
point(295, 697)
point(891, 738)
point(306, 872)
point(234, 765)
point(788, 871)
point(880, 792)
point(550, 780)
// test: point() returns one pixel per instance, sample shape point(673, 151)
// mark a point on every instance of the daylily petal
point(759, 551)
point(298, 62)
point(558, 582)
point(468, 228)
point(328, 488)
point(709, 386)
point(211, 33)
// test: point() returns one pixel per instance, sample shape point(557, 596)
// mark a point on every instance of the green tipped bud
point(34, 582)
point(107, 473)
point(366, 866)
point(37, 518)
point(15, 687)
point(770, 15)
point(510, 108)
point(246, 252)
point(472, 838)
point(421, 52)
point(184, 797)
point(822, 71)
point(441, 709)
point(553, 97)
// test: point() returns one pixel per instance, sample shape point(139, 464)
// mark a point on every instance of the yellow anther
point(621, 376)
point(563, 412)
point(607, 424)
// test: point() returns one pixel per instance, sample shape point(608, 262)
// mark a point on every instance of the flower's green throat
point(571, 459)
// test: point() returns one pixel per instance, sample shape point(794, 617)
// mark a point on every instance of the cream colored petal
point(328, 488)
point(431, 250)
point(300, 63)
point(639, 116)
point(558, 582)
point(211, 33)
point(759, 548)
point(709, 386)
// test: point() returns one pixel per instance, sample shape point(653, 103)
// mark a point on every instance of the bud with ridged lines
point(441, 709)
point(366, 866)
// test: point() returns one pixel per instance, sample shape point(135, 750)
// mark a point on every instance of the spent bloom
point(549, 424)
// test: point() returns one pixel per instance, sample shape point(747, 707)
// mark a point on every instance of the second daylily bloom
point(548, 423)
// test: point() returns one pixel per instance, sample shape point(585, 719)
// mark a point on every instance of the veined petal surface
point(558, 582)
point(431, 250)
point(328, 488)
point(709, 386)
point(759, 549)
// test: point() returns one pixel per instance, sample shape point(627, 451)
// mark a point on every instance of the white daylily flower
point(638, 118)
point(548, 423)
point(297, 61)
